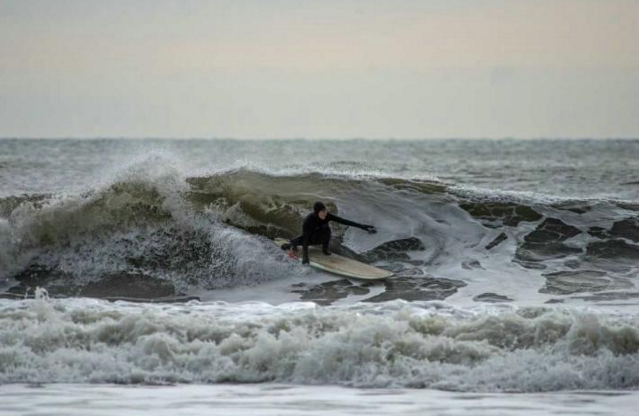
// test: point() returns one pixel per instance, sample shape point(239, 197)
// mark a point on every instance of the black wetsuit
point(317, 231)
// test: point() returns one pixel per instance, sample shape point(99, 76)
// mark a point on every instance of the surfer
point(316, 231)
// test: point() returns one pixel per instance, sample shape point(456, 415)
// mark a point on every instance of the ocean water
point(143, 271)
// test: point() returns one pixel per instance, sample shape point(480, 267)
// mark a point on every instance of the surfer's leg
point(319, 237)
point(292, 244)
point(324, 237)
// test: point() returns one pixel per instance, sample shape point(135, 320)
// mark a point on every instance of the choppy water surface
point(288, 400)
point(515, 264)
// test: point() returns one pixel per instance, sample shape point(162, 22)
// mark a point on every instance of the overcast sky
point(319, 69)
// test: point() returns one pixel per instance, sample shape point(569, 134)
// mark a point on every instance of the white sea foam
point(394, 344)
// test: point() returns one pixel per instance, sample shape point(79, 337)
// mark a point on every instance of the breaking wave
point(212, 231)
point(395, 344)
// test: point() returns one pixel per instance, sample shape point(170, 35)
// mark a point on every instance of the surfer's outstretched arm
point(365, 227)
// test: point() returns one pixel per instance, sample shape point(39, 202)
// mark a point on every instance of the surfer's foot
point(288, 246)
point(326, 251)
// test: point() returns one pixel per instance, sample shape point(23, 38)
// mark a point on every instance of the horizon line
point(309, 138)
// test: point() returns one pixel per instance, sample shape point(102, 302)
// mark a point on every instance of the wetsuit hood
point(319, 206)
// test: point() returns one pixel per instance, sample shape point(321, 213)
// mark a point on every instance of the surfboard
point(337, 264)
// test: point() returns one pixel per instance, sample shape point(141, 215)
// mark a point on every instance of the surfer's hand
point(369, 228)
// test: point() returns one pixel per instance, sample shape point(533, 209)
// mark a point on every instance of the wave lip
point(396, 344)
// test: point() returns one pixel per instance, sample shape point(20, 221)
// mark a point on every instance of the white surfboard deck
point(337, 264)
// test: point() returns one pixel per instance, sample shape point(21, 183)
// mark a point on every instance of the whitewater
point(144, 270)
